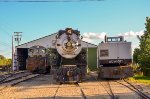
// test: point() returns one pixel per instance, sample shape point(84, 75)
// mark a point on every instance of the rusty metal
point(117, 72)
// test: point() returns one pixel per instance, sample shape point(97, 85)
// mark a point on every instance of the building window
point(104, 53)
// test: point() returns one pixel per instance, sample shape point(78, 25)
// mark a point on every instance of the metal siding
point(92, 58)
point(121, 50)
point(125, 50)
point(45, 42)
point(113, 50)
point(103, 46)
point(86, 44)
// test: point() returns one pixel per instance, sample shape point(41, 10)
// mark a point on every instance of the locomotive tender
point(115, 58)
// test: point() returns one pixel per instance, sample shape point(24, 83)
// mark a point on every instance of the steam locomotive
point(70, 62)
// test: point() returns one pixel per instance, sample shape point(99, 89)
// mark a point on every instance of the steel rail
point(56, 91)
point(134, 89)
point(82, 93)
point(8, 75)
point(110, 92)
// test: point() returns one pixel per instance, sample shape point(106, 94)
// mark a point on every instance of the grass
point(140, 79)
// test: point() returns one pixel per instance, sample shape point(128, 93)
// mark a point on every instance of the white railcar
point(115, 57)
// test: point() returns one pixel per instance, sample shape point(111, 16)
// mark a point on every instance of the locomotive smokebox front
point(68, 43)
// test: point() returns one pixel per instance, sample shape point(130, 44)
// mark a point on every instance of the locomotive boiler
point(70, 58)
point(115, 58)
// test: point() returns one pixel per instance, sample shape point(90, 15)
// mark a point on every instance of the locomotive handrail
point(69, 65)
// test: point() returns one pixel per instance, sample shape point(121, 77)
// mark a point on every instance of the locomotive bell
point(69, 31)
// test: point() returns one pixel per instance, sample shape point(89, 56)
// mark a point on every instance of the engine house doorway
point(22, 55)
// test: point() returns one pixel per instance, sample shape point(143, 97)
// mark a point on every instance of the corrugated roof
point(49, 36)
point(36, 39)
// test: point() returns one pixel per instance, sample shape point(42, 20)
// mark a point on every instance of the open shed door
point(22, 55)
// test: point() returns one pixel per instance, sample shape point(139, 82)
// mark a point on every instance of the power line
point(5, 27)
point(6, 32)
point(6, 53)
point(5, 44)
point(48, 0)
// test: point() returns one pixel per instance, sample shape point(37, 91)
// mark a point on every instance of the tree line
point(4, 62)
point(141, 55)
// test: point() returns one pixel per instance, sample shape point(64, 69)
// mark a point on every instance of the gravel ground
point(143, 87)
point(93, 90)
point(44, 87)
point(68, 91)
point(122, 92)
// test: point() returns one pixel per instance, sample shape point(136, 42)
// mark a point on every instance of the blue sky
point(36, 20)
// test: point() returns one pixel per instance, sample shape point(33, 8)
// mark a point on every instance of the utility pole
point(18, 36)
point(87, 59)
point(13, 68)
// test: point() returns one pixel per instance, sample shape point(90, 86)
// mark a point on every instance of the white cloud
point(98, 37)
point(92, 35)
point(132, 34)
point(87, 40)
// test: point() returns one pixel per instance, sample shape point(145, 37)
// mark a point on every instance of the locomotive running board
point(69, 65)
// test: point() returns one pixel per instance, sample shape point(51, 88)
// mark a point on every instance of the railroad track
point(56, 91)
point(82, 93)
point(7, 75)
point(106, 85)
point(16, 79)
point(134, 89)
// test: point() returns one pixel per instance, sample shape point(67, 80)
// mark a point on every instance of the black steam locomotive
point(68, 60)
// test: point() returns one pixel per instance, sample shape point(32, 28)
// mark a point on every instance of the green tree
point(136, 54)
point(4, 62)
point(144, 55)
point(2, 57)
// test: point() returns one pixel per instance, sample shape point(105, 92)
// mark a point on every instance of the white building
point(21, 51)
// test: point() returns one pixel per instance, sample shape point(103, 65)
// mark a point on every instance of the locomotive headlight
point(69, 44)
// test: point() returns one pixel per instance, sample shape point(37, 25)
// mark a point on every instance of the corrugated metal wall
point(92, 58)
